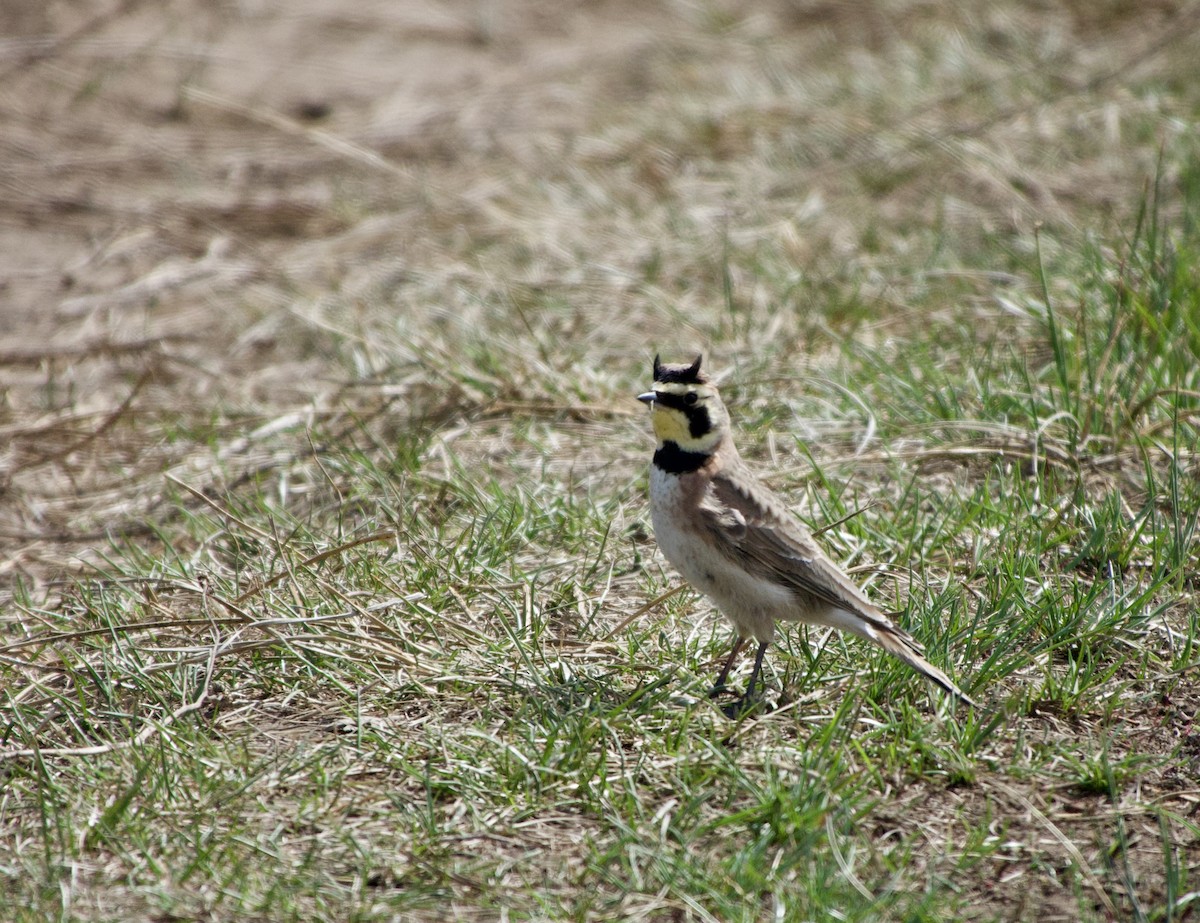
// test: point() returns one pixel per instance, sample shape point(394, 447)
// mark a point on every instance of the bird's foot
point(745, 706)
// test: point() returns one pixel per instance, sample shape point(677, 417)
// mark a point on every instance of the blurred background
point(230, 218)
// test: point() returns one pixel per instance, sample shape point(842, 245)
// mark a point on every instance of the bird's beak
point(647, 398)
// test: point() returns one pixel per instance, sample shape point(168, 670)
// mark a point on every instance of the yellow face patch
point(670, 425)
point(689, 415)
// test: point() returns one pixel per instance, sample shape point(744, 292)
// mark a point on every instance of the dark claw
point(751, 699)
point(744, 707)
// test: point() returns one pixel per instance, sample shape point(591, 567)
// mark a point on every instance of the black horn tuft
point(682, 374)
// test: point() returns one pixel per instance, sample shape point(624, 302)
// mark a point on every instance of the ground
point(327, 588)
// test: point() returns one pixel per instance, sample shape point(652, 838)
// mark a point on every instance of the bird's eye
point(691, 397)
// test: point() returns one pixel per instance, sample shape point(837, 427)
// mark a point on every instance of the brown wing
point(758, 530)
point(754, 528)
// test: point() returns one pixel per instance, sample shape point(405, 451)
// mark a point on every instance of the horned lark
point(736, 542)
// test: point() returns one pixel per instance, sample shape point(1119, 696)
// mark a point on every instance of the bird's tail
point(904, 646)
point(900, 643)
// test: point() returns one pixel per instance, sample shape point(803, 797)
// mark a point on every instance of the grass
point(397, 692)
point(364, 625)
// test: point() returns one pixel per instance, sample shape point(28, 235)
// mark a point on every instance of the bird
point(737, 542)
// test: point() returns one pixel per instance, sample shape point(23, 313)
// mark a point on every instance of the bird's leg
point(747, 702)
point(758, 659)
point(719, 685)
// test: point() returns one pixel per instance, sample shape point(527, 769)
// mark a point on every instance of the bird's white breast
point(751, 603)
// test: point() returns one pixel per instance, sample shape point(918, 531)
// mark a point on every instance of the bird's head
point(685, 408)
